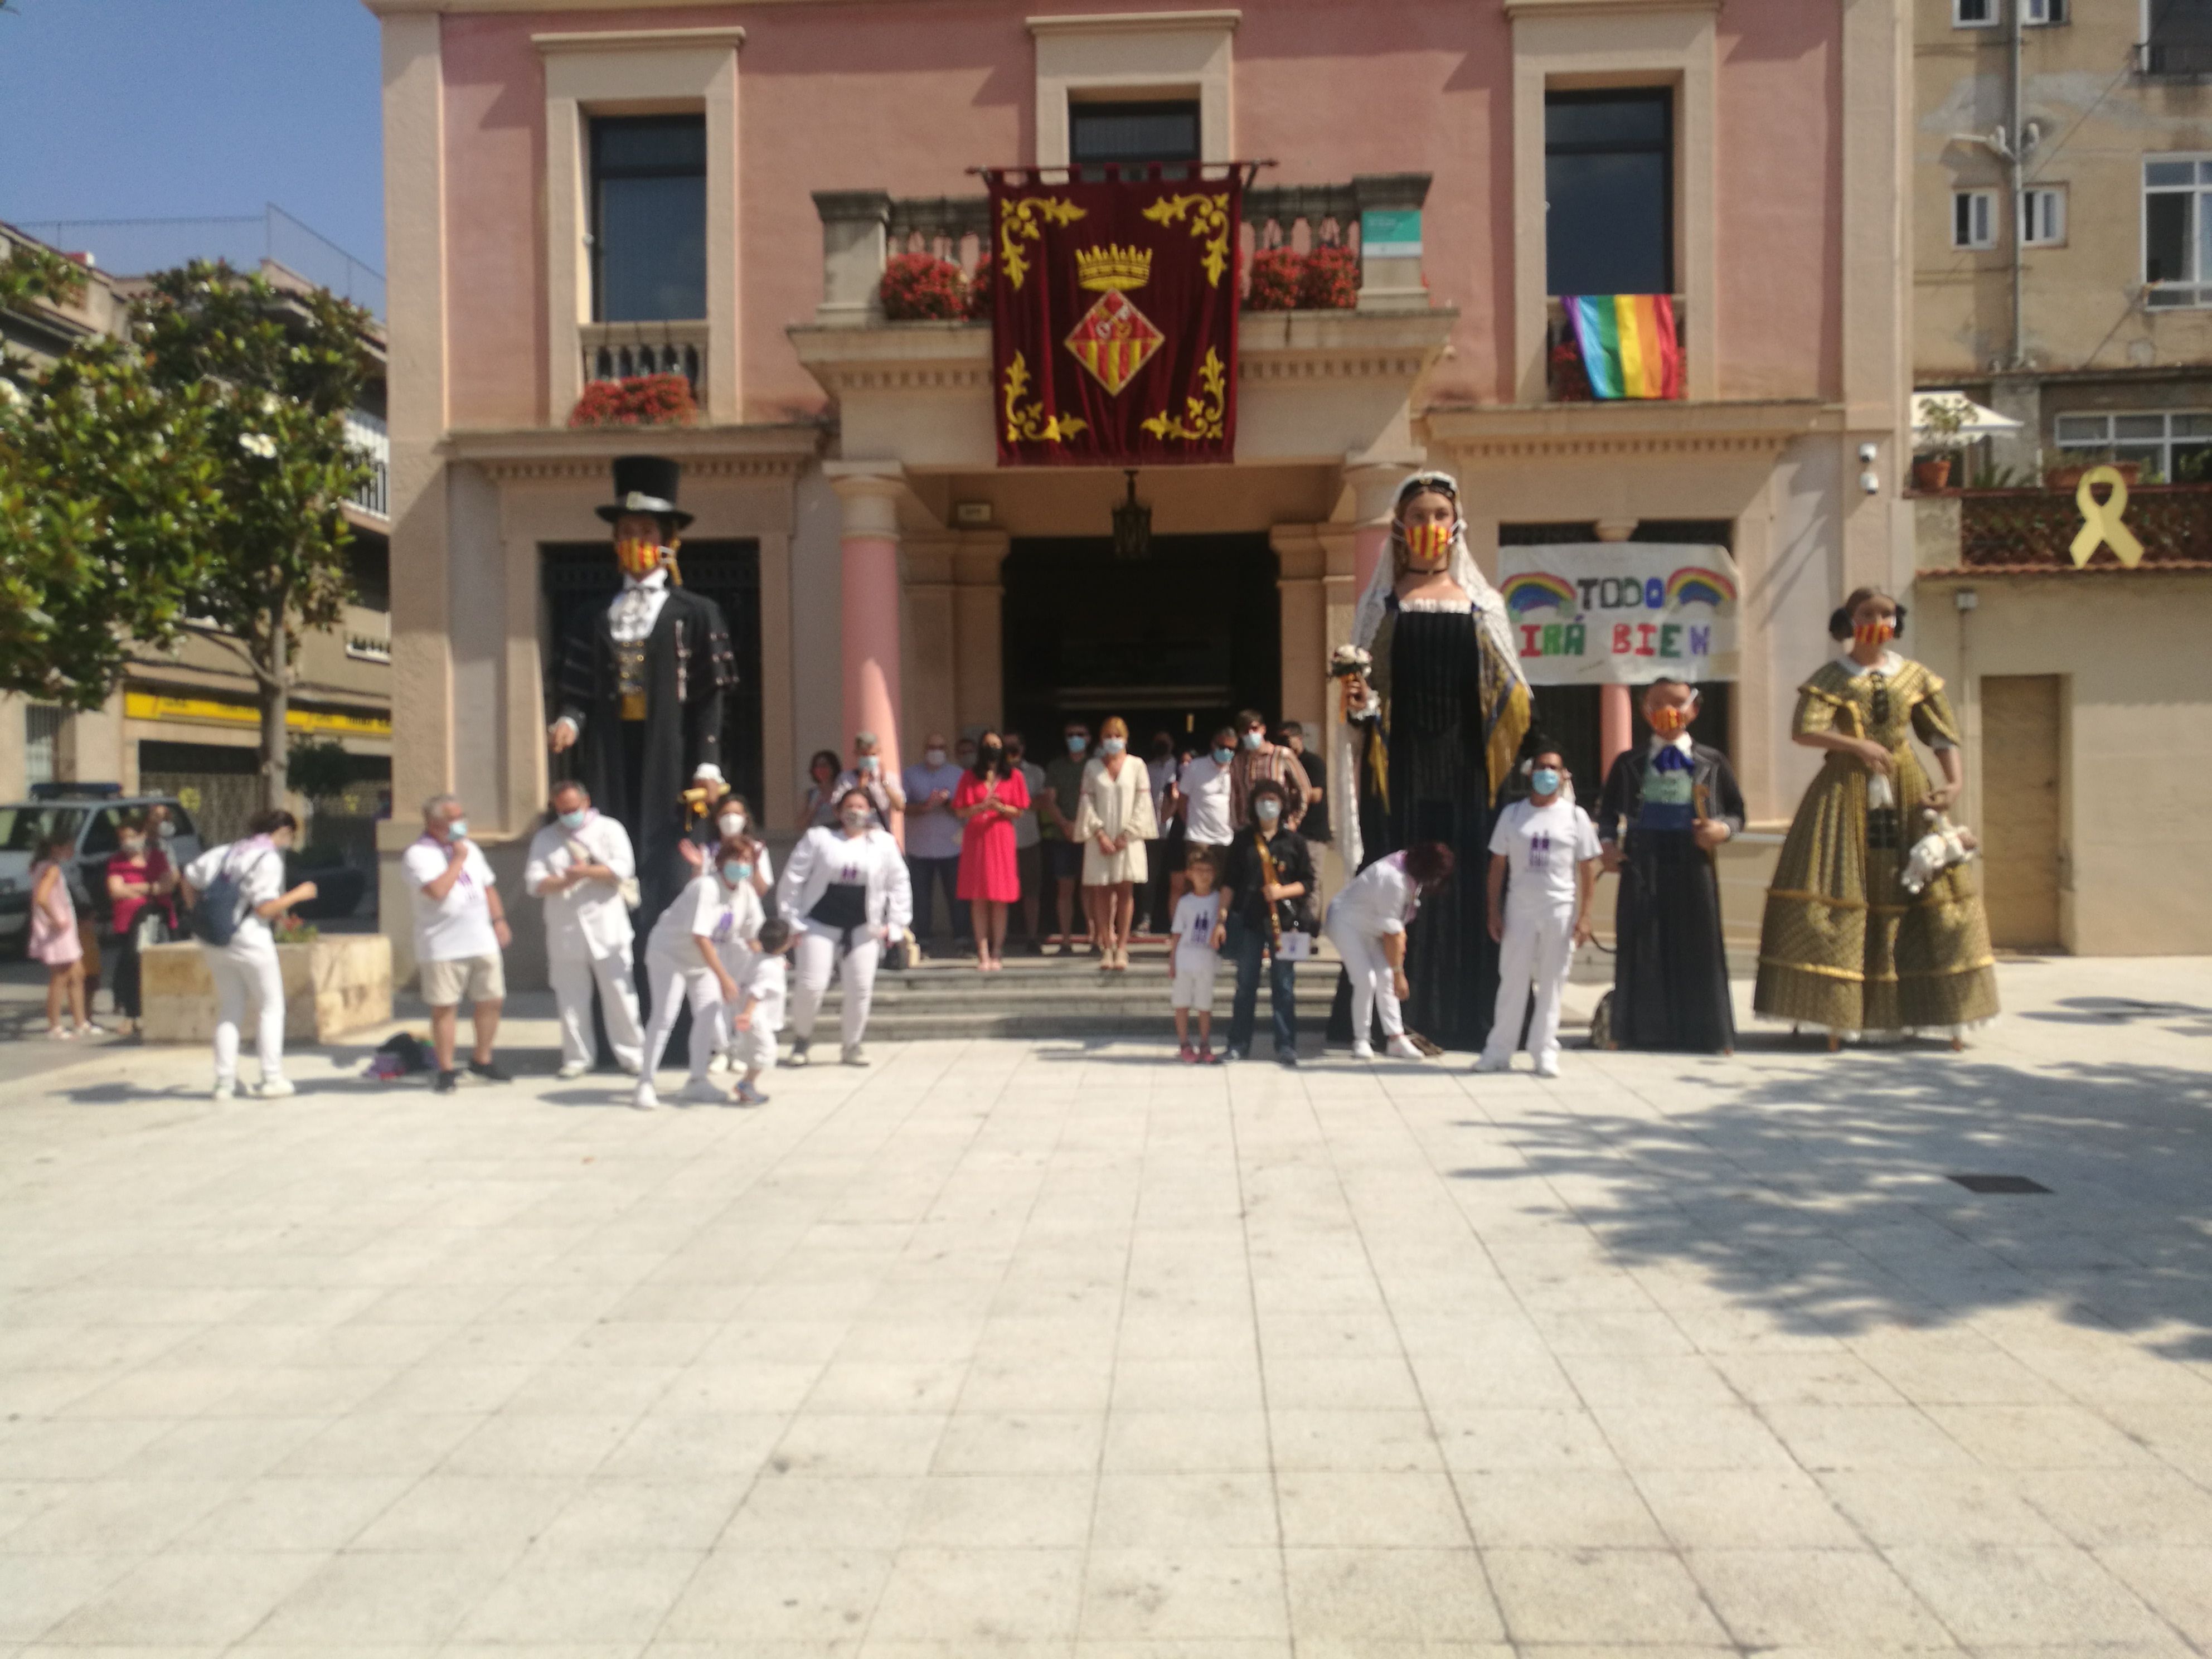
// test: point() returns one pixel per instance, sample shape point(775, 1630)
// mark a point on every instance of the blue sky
point(168, 108)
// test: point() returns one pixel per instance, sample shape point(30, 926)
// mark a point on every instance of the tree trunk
point(276, 705)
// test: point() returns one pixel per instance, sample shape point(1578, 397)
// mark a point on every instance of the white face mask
point(732, 823)
point(934, 757)
point(855, 819)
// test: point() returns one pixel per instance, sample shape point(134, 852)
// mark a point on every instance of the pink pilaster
point(870, 614)
point(1614, 725)
point(1374, 491)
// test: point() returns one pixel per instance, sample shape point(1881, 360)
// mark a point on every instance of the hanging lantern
point(1132, 525)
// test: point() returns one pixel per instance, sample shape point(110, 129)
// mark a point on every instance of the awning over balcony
point(1981, 421)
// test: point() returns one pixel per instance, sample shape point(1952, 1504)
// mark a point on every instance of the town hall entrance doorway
point(1174, 642)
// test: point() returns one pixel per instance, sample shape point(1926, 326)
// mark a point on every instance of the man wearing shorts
point(460, 929)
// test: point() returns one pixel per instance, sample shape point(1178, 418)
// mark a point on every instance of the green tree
point(282, 369)
point(108, 503)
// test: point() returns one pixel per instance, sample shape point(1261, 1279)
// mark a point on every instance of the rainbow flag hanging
point(1629, 346)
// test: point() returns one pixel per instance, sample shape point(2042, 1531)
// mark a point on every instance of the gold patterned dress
point(1843, 945)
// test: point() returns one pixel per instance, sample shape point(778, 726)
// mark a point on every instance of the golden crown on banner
point(1111, 268)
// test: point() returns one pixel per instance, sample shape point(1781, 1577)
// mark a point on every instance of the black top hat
point(647, 483)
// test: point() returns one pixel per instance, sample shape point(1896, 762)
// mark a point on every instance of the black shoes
point(486, 1071)
point(445, 1083)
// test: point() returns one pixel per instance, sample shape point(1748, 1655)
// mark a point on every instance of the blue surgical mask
point(1223, 756)
point(736, 873)
point(1076, 743)
point(1545, 781)
point(1268, 809)
point(1253, 740)
point(1111, 746)
point(457, 829)
point(572, 820)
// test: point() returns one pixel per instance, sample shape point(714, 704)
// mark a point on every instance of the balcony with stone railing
point(1313, 383)
point(2031, 532)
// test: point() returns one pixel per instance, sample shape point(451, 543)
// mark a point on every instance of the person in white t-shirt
point(756, 1020)
point(245, 969)
point(1204, 788)
point(1549, 847)
point(716, 913)
point(1367, 924)
point(578, 865)
point(1193, 957)
point(459, 931)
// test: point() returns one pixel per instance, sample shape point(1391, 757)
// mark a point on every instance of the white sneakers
point(646, 1099)
point(224, 1090)
point(700, 1092)
point(274, 1088)
point(1548, 1066)
point(1363, 1051)
point(1486, 1061)
point(1400, 1047)
point(571, 1070)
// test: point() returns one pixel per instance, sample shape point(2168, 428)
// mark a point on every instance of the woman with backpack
point(234, 892)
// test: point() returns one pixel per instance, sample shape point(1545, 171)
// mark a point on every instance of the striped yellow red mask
point(1668, 719)
point(1425, 544)
point(1875, 632)
point(637, 556)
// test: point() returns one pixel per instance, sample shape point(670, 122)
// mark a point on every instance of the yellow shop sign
point(159, 705)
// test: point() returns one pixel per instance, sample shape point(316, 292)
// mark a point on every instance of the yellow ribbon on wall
point(2100, 520)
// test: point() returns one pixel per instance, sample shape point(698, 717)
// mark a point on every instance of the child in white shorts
point(756, 1024)
point(1192, 958)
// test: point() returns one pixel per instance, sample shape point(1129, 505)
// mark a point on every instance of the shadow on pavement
point(1822, 1196)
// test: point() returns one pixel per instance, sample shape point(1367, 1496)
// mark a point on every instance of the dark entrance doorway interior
point(1568, 715)
point(581, 579)
point(1174, 642)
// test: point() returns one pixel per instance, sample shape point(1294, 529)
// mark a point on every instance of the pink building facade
point(883, 571)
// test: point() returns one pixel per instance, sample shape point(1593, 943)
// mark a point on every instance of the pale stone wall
point(334, 985)
point(2136, 737)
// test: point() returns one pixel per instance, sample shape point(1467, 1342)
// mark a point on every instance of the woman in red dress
point(986, 803)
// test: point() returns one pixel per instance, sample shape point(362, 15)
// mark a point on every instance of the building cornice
point(780, 450)
point(1134, 22)
point(1516, 431)
point(637, 39)
point(1519, 9)
point(1272, 347)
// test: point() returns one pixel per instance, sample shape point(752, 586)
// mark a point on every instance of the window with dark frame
point(1609, 191)
point(648, 218)
point(1132, 132)
point(2178, 37)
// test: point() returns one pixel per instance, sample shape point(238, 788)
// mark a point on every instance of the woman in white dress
point(847, 890)
point(717, 911)
point(1114, 820)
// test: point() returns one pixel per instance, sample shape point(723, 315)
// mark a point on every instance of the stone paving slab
point(1018, 1349)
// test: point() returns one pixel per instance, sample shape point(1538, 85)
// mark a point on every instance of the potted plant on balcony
point(922, 287)
point(640, 400)
point(1942, 419)
point(1330, 281)
point(1278, 274)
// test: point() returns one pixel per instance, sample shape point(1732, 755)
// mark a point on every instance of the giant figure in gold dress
point(1845, 946)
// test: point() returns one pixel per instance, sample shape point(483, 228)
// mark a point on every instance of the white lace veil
point(1367, 620)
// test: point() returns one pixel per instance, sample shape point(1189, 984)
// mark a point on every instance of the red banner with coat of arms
point(1113, 318)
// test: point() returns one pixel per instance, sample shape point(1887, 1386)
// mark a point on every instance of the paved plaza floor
point(1001, 1349)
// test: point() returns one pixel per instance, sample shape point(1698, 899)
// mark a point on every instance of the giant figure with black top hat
point(641, 684)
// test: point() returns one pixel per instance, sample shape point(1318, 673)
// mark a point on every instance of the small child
point(756, 1024)
point(1191, 955)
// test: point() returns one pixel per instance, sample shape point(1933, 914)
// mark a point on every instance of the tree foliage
point(109, 504)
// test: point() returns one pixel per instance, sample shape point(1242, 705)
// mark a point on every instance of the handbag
point(626, 887)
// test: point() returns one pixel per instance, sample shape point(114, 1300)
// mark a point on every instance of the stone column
point(1303, 565)
point(1615, 719)
point(978, 628)
point(871, 609)
point(855, 232)
point(1373, 486)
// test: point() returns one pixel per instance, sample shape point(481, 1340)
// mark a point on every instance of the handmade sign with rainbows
point(1114, 316)
point(1594, 613)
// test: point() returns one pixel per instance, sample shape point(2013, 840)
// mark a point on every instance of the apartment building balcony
point(372, 503)
point(1314, 385)
point(2031, 532)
